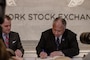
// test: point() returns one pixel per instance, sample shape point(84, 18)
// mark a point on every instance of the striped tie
point(7, 41)
point(57, 42)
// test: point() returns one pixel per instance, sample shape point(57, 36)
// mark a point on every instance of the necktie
point(7, 40)
point(57, 42)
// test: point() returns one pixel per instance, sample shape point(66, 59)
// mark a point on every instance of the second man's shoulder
point(70, 32)
point(47, 31)
point(12, 32)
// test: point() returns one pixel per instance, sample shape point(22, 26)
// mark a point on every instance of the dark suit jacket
point(68, 46)
point(14, 42)
point(0, 32)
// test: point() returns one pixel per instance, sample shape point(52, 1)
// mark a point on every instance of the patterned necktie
point(7, 41)
point(57, 42)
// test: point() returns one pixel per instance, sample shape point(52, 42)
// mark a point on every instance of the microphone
point(85, 37)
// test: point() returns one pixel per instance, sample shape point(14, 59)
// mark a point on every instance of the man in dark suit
point(49, 46)
point(11, 39)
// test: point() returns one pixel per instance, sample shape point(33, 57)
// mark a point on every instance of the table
point(35, 58)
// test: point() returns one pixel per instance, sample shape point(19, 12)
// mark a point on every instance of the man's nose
point(56, 32)
point(9, 27)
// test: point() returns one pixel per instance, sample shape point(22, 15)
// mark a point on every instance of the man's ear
point(64, 26)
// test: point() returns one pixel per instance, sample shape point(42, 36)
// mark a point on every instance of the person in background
point(2, 12)
point(57, 41)
point(11, 39)
point(0, 32)
point(3, 53)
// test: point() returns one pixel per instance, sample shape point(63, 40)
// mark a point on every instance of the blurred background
point(31, 17)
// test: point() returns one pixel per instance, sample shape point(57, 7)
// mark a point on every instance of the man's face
point(58, 28)
point(6, 26)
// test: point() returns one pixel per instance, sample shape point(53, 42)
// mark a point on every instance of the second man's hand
point(56, 53)
point(43, 55)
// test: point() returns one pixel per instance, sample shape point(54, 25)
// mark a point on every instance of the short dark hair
point(7, 17)
point(59, 18)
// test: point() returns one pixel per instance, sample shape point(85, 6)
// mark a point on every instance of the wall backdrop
point(31, 17)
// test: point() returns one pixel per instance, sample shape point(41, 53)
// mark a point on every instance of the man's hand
point(43, 55)
point(56, 53)
point(18, 53)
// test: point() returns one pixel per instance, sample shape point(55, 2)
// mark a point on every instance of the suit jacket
point(14, 42)
point(0, 32)
point(68, 45)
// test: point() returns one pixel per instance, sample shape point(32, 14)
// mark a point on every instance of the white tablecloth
point(35, 58)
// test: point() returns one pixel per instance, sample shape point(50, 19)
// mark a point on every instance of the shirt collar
point(58, 37)
point(4, 34)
